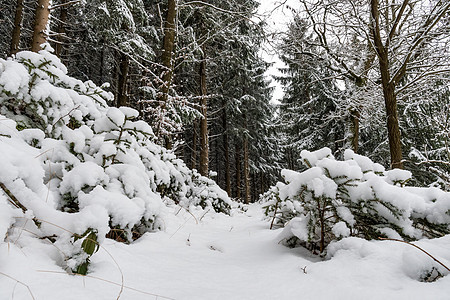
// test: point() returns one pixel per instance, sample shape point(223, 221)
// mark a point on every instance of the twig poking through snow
point(204, 214)
point(18, 281)
point(111, 282)
point(386, 239)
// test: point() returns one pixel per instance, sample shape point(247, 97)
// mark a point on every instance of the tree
point(316, 214)
point(167, 59)
point(63, 15)
point(204, 141)
point(222, 35)
point(40, 25)
point(427, 133)
point(168, 47)
point(110, 41)
point(308, 116)
point(15, 40)
point(398, 33)
point(347, 55)
point(406, 31)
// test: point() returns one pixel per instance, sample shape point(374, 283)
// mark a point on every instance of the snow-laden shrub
point(355, 197)
point(78, 164)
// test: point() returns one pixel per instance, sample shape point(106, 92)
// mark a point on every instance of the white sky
point(277, 19)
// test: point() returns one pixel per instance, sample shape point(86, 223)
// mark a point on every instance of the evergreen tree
point(307, 112)
point(426, 130)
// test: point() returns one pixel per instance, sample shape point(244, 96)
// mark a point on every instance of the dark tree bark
point(246, 167)
point(254, 188)
point(40, 24)
point(61, 29)
point(15, 41)
point(168, 48)
point(194, 145)
point(355, 115)
point(167, 62)
point(204, 144)
point(226, 150)
point(261, 183)
point(122, 95)
point(237, 156)
point(388, 85)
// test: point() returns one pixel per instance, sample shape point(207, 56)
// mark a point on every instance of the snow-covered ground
point(214, 256)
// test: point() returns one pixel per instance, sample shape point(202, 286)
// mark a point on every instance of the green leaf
point(90, 245)
point(83, 268)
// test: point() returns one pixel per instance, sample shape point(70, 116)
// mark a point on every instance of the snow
point(80, 169)
point(313, 157)
point(225, 257)
point(298, 227)
point(334, 199)
point(83, 169)
point(364, 162)
point(340, 229)
point(84, 174)
point(398, 176)
point(13, 77)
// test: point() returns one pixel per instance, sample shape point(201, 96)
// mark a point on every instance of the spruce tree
point(306, 112)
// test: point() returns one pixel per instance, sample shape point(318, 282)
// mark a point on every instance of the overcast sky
point(277, 18)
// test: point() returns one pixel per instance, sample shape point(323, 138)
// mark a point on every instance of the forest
point(124, 122)
point(194, 72)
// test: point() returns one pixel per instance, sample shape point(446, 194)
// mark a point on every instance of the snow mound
point(80, 169)
point(355, 197)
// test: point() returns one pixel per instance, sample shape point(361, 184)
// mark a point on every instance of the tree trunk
point(40, 25)
point(102, 65)
point(61, 29)
point(168, 47)
point(246, 168)
point(226, 150)
point(194, 146)
point(254, 187)
point(261, 183)
point(361, 82)
point(355, 115)
point(167, 63)
point(216, 161)
point(122, 95)
point(393, 126)
point(290, 158)
point(15, 41)
point(322, 226)
point(390, 99)
point(204, 146)
point(238, 171)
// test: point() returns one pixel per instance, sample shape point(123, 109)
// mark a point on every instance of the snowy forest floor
point(223, 257)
